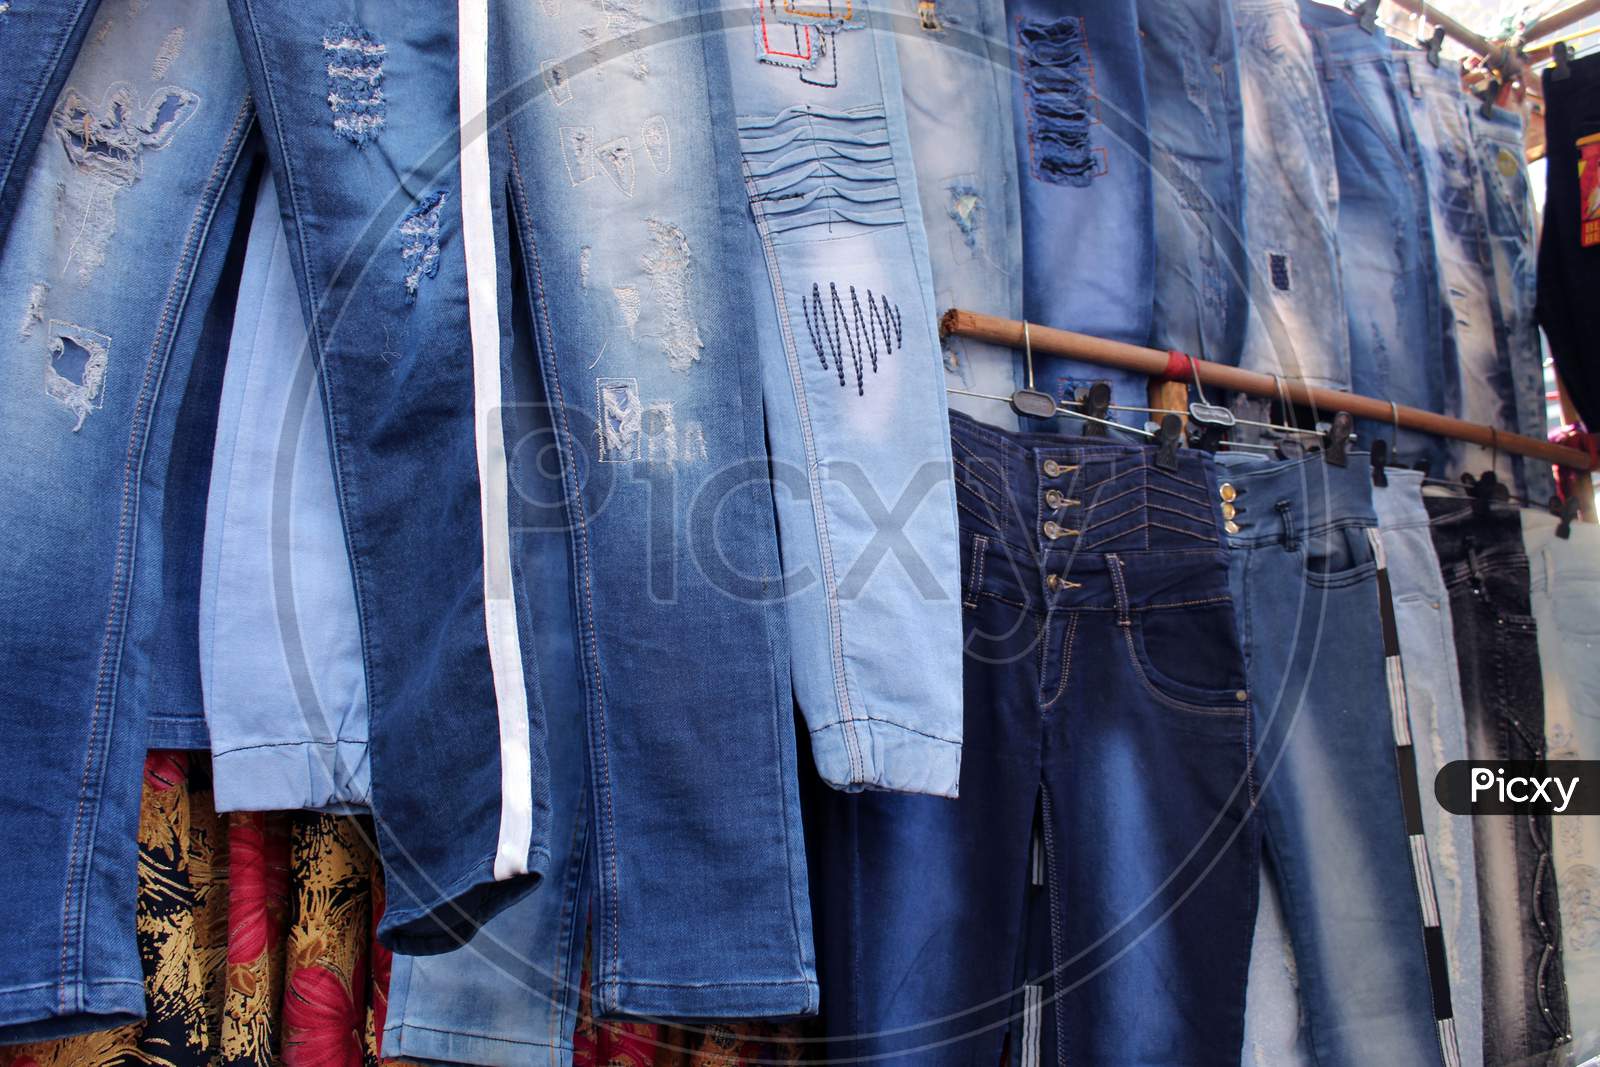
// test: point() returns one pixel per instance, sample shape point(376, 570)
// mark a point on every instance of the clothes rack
point(1179, 368)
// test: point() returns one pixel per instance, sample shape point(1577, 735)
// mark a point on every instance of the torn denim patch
point(354, 62)
point(419, 242)
point(1057, 76)
point(75, 371)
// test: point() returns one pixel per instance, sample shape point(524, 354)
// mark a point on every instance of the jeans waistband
point(1339, 37)
point(1287, 501)
point(1087, 523)
point(1472, 547)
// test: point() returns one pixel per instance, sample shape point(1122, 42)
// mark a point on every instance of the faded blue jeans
point(1083, 154)
point(1297, 325)
point(956, 75)
point(852, 381)
point(1386, 256)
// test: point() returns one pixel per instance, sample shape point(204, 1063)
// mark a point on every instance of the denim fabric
point(1511, 217)
point(509, 996)
point(1296, 325)
point(1478, 383)
point(854, 388)
point(1485, 571)
point(41, 41)
point(1564, 590)
point(1275, 1032)
point(647, 349)
point(361, 123)
point(956, 76)
point(1106, 705)
point(116, 315)
point(1197, 151)
point(1568, 272)
point(1433, 696)
point(280, 637)
point(1083, 152)
point(1304, 576)
point(1386, 256)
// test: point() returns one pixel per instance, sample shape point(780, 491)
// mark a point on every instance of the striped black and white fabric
point(1411, 801)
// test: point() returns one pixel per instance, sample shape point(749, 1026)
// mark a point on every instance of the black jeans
point(1486, 573)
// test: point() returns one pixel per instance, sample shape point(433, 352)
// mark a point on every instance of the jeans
point(647, 345)
point(1083, 153)
point(1304, 573)
point(956, 75)
point(1478, 384)
point(1297, 325)
point(116, 312)
point(1567, 272)
point(1565, 577)
point(280, 636)
point(1387, 262)
point(1120, 824)
point(847, 344)
point(1485, 570)
point(509, 996)
point(40, 38)
point(1197, 152)
point(1511, 218)
point(1433, 697)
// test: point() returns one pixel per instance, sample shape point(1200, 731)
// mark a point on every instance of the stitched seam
point(985, 519)
point(972, 470)
point(820, 524)
point(975, 570)
point(1055, 921)
point(1172, 702)
point(607, 830)
point(85, 824)
point(1066, 661)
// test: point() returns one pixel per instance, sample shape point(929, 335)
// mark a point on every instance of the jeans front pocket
point(1188, 658)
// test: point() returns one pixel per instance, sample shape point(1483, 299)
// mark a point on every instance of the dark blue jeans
point(1093, 889)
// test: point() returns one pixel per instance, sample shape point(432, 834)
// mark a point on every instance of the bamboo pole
point(1156, 364)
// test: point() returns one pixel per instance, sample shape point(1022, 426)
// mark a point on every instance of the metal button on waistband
point(1054, 530)
point(1056, 581)
point(1228, 511)
point(1052, 468)
point(1231, 526)
point(1226, 491)
point(1241, 696)
point(1057, 499)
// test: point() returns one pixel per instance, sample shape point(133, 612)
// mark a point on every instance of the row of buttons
point(1228, 493)
point(1055, 499)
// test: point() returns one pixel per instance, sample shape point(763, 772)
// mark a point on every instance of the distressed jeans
point(1485, 569)
point(1337, 845)
point(1478, 381)
point(1296, 325)
point(1083, 158)
point(1090, 896)
point(1564, 590)
point(956, 77)
point(1386, 256)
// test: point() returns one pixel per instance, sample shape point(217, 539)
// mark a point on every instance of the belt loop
point(1120, 588)
point(1411, 78)
point(1286, 516)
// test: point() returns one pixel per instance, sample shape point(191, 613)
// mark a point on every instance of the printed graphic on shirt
point(1589, 190)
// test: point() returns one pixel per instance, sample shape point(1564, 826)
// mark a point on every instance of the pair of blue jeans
point(1083, 157)
point(1092, 891)
point(1338, 850)
point(1386, 256)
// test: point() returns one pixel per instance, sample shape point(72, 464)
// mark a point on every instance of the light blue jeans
point(956, 75)
point(1297, 325)
point(1478, 381)
point(1564, 583)
point(280, 639)
point(853, 383)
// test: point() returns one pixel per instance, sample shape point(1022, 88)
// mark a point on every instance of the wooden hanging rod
point(1175, 366)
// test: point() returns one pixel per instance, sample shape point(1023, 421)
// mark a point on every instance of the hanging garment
point(1512, 221)
point(1477, 376)
point(1080, 122)
point(1485, 569)
point(1439, 731)
point(1387, 263)
point(1563, 587)
point(1296, 325)
point(255, 933)
point(956, 78)
point(1092, 891)
point(1350, 872)
point(280, 635)
point(1569, 247)
point(847, 341)
point(1197, 154)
